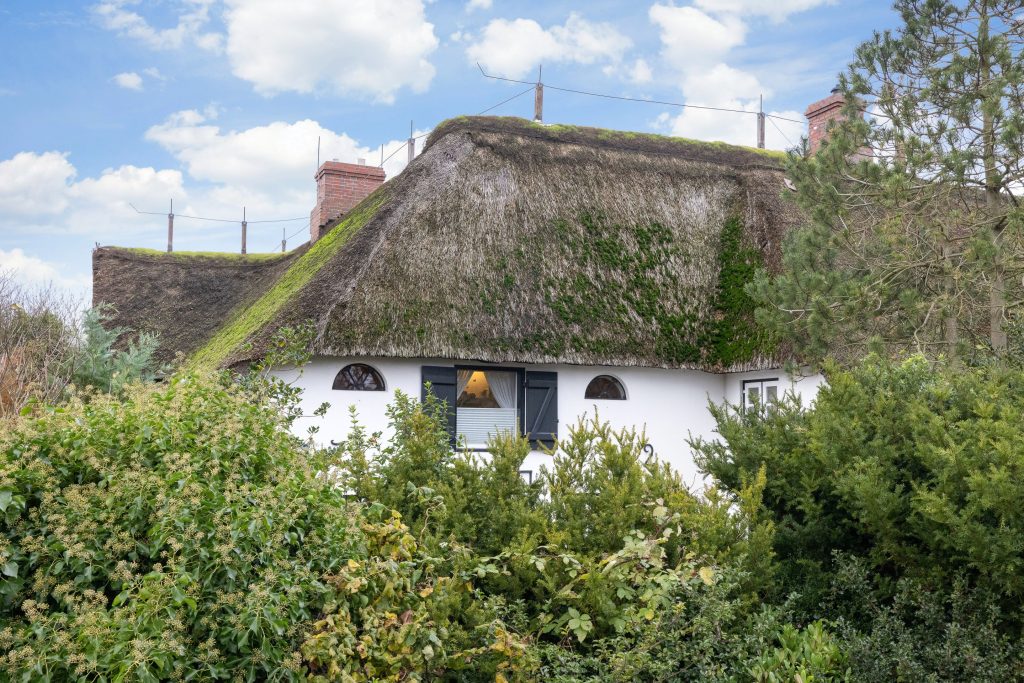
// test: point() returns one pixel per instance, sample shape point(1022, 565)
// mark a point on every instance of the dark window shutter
point(442, 385)
point(541, 410)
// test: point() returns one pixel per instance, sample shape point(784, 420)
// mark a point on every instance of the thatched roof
point(504, 241)
point(183, 297)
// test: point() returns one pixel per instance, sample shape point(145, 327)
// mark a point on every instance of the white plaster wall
point(671, 405)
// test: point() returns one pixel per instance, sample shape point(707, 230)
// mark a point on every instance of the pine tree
point(917, 245)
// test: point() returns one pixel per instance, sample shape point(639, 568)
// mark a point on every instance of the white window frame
point(763, 385)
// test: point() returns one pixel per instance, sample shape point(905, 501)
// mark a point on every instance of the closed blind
point(476, 425)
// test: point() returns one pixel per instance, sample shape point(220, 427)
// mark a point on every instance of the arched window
point(358, 377)
point(607, 388)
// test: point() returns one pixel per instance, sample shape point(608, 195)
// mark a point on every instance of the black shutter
point(540, 422)
point(442, 385)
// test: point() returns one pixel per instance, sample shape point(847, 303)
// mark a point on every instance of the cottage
point(530, 274)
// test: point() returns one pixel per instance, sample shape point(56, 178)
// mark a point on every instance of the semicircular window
point(607, 388)
point(358, 377)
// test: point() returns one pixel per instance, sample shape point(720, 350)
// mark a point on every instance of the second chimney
point(820, 114)
point(339, 187)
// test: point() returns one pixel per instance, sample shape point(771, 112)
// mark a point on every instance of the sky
point(218, 104)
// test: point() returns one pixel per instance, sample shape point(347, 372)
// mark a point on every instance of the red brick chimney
point(819, 114)
point(339, 187)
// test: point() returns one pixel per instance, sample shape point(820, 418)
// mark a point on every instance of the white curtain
point(462, 380)
point(503, 388)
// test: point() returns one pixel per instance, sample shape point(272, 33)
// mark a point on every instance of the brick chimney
point(819, 114)
point(339, 187)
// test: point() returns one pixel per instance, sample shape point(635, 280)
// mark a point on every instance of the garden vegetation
point(162, 524)
point(180, 531)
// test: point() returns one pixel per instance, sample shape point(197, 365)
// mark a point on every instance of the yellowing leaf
point(707, 575)
point(500, 678)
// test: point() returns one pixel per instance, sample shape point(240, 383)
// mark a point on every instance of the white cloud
point(514, 48)
point(116, 189)
point(725, 87)
point(369, 49)
point(690, 38)
point(41, 193)
point(128, 80)
point(776, 10)
point(194, 16)
point(263, 159)
point(478, 4)
point(696, 45)
point(267, 169)
point(273, 163)
point(35, 272)
point(640, 72)
point(34, 183)
point(154, 73)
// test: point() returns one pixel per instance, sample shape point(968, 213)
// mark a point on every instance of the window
point(358, 377)
point(481, 402)
point(760, 392)
point(527, 476)
point(486, 404)
point(607, 388)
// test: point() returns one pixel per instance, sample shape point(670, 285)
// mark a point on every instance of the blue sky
point(219, 103)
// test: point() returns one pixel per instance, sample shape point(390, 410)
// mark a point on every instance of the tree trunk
point(950, 324)
point(993, 201)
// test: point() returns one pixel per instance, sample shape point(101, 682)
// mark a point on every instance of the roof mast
point(538, 97)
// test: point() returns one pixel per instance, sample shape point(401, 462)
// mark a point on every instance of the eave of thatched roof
point(504, 241)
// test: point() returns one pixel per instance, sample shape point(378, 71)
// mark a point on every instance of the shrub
point(481, 501)
point(181, 530)
point(809, 655)
point(38, 344)
point(923, 633)
point(915, 468)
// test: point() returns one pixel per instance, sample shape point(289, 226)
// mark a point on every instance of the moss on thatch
point(252, 318)
point(733, 337)
point(508, 241)
point(219, 255)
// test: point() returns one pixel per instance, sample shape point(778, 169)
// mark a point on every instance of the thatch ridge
point(507, 241)
point(203, 255)
point(721, 153)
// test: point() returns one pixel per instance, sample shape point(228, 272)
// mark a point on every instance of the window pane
point(358, 377)
point(605, 387)
point(487, 389)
